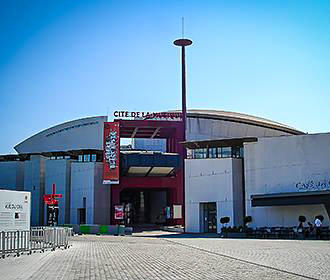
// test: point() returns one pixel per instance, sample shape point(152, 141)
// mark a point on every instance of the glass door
point(210, 217)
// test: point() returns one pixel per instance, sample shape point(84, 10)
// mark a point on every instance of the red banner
point(111, 151)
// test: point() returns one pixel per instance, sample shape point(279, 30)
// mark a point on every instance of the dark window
point(241, 152)
point(236, 152)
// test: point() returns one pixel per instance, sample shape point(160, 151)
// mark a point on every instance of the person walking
point(318, 225)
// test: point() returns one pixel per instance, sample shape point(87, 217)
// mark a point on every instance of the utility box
point(15, 210)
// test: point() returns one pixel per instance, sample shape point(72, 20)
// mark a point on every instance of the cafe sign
point(313, 185)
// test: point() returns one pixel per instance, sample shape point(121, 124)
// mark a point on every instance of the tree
point(224, 220)
point(247, 219)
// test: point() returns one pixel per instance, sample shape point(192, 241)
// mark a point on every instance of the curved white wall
point(212, 129)
point(86, 133)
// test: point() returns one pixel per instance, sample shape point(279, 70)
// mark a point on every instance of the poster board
point(177, 211)
point(15, 210)
point(119, 212)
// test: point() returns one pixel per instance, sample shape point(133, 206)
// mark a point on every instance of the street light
point(183, 43)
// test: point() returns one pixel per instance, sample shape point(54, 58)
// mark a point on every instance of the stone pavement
point(174, 256)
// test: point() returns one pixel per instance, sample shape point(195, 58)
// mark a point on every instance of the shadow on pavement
point(175, 235)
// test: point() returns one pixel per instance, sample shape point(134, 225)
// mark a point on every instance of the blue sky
point(63, 60)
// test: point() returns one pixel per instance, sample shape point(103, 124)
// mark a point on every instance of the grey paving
point(159, 256)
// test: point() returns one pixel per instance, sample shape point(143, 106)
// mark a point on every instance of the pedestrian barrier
point(36, 239)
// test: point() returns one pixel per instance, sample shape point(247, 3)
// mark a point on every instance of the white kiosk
point(15, 210)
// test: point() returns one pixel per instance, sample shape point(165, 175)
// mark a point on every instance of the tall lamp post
point(183, 43)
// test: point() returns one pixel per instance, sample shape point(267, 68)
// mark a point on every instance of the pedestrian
point(310, 229)
point(318, 225)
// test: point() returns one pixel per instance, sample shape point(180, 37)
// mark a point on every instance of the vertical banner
point(111, 151)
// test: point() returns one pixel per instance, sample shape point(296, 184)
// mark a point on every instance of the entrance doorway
point(208, 217)
point(81, 216)
point(144, 206)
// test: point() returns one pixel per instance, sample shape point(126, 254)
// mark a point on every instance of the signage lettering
point(147, 115)
point(12, 206)
point(313, 185)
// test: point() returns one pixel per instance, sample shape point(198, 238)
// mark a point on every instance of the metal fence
point(36, 239)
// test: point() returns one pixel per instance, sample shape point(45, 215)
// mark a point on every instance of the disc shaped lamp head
point(182, 42)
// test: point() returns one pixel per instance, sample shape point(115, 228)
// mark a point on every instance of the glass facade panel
point(219, 152)
point(212, 152)
point(226, 152)
point(80, 158)
point(86, 157)
point(93, 157)
point(200, 153)
point(241, 152)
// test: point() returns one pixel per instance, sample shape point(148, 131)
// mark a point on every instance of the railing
point(288, 233)
point(36, 239)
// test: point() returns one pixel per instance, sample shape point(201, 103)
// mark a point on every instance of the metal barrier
point(36, 239)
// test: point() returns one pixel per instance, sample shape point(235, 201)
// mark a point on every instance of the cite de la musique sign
point(147, 115)
point(111, 141)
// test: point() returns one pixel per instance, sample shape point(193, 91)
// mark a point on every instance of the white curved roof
point(85, 133)
point(242, 118)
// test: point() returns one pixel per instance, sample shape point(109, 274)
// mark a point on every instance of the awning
point(142, 164)
point(293, 198)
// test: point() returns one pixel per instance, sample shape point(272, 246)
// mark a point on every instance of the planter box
point(100, 229)
point(233, 234)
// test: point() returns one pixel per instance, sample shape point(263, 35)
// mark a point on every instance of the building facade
point(286, 177)
point(155, 185)
point(274, 180)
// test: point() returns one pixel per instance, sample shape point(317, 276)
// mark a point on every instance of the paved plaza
point(158, 255)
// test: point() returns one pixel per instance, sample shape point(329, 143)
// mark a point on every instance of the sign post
point(52, 207)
